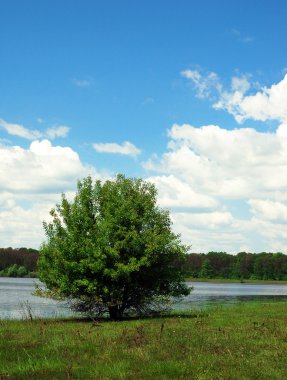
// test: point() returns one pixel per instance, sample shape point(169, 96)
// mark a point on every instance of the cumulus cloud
point(218, 173)
point(267, 103)
point(215, 218)
point(215, 231)
point(21, 131)
point(42, 167)
point(175, 193)
point(6, 200)
point(126, 148)
point(268, 210)
point(21, 226)
point(228, 163)
point(31, 183)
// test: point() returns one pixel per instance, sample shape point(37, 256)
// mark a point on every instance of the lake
point(207, 294)
point(16, 299)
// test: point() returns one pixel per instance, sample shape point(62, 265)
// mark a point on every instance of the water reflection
point(15, 295)
point(206, 294)
point(16, 298)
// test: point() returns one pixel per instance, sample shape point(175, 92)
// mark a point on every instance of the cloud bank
point(227, 189)
point(32, 181)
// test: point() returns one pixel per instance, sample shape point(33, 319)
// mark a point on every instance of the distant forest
point(252, 266)
point(18, 262)
point(21, 262)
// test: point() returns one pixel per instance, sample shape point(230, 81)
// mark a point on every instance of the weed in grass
point(161, 332)
point(27, 312)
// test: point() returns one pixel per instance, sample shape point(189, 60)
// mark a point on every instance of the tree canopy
point(112, 249)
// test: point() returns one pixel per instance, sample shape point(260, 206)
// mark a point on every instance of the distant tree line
point(18, 262)
point(256, 266)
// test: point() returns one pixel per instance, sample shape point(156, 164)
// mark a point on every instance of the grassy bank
point(247, 341)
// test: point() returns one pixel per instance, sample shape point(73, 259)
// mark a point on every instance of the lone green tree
point(112, 250)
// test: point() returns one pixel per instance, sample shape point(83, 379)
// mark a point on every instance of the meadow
point(244, 341)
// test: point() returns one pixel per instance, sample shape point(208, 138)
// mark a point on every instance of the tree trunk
point(115, 312)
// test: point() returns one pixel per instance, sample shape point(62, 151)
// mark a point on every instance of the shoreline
point(235, 281)
point(210, 280)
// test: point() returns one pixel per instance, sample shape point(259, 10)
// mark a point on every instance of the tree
point(112, 249)
point(263, 266)
point(194, 263)
point(206, 269)
point(220, 263)
point(243, 265)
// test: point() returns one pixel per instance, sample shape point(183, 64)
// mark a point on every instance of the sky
point(189, 95)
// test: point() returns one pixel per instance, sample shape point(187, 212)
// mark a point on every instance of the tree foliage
point(112, 249)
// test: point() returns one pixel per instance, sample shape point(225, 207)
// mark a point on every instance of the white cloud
point(204, 85)
point(175, 193)
point(210, 232)
point(217, 172)
point(59, 131)
point(215, 219)
point(267, 103)
point(42, 167)
point(126, 148)
point(228, 163)
point(6, 200)
point(23, 227)
point(21, 131)
point(31, 183)
point(268, 210)
point(240, 84)
point(282, 130)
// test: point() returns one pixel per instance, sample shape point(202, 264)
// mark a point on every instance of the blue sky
point(189, 95)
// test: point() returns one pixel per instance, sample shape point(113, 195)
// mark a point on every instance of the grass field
point(247, 341)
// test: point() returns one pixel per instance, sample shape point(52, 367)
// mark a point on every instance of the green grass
point(246, 341)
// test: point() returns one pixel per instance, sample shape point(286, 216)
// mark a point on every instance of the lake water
point(16, 299)
point(207, 294)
